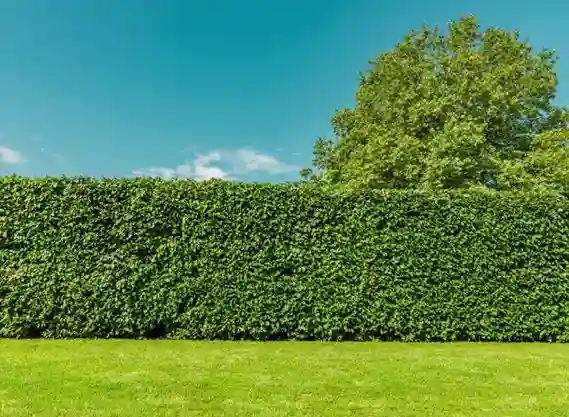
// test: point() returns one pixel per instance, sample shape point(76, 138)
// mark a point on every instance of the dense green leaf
point(150, 258)
point(461, 109)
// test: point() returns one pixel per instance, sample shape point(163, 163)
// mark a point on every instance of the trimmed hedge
point(149, 258)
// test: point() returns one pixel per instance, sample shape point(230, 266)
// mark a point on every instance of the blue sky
point(233, 89)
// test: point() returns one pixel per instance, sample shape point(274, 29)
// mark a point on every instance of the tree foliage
point(467, 108)
point(152, 258)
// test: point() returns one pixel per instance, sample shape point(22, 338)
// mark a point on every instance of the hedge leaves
point(150, 258)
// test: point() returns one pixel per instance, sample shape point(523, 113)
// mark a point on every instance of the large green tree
point(464, 108)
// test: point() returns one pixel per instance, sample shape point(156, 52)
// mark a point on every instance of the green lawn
point(183, 378)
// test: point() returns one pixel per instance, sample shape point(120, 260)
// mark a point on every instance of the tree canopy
point(460, 109)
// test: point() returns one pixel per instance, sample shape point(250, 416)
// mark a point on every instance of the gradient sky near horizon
point(199, 89)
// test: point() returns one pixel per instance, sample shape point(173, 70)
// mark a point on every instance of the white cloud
point(45, 151)
point(222, 164)
point(11, 156)
point(166, 173)
point(250, 160)
point(213, 156)
point(199, 170)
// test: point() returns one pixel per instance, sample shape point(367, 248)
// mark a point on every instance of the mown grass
point(183, 378)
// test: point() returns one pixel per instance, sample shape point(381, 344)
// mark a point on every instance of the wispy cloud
point(200, 169)
point(161, 172)
point(249, 160)
point(221, 163)
point(11, 156)
point(53, 155)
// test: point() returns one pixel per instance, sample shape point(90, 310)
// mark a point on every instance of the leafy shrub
point(144, 258)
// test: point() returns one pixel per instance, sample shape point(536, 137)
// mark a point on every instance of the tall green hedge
point(150, 258)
